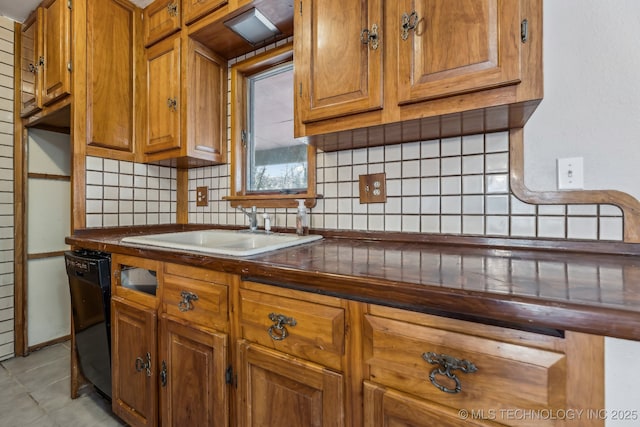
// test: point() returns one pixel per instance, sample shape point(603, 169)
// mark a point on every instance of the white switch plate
point(571, 173)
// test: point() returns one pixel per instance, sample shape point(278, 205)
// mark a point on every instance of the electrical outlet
point(373, 188)
point(570, 173)
point(202, 196)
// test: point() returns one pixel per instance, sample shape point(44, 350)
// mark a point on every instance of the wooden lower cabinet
point(133, 358)
point(276, 389)
point(385, 407)
point(193, 391)
point(458, 373)
point(211, 350)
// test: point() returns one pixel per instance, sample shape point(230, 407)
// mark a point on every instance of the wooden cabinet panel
point(161, 19)
point(163, 96)
point(206, 103)
point(458, 46)
point(193, 391)
point(533, 378)
point(336, 73)
point(318, 333)
point(194, 9)
point(389, 408)
point(112, 26)
point(133, 346)
point(30, 52)
point(56, 77)
point(209, 310)
point(279, 390)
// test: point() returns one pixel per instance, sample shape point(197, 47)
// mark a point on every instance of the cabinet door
point(161, 18)
point(194, 9)
point(336, 74)
point(193, 391)
point(56, 77)
point(111, 27)
point(30, 48)
point(206, 103)
point(457, 46)
point(388, 408)
point(276, 389)
point(133, 363)
point(163, 96)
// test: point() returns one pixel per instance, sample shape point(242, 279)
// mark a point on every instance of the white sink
point(223, 242)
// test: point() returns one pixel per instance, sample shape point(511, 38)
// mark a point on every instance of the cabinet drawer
point(196, 301)
point(507, 375)
point(312, 331)
point(161, 18)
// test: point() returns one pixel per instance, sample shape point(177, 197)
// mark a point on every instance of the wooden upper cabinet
point(194, 9)
point(161, 19)
point(30, 52)
point(56, 72)
point(112, 51)
point(205, 88)
point(456, 46)
point(336, 73)
point(186, 113)
point(163, 96)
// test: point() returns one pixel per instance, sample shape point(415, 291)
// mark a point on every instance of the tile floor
point(34, 392)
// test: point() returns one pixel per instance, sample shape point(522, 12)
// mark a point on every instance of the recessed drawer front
point(483, 373)
point(198, 302)
point(304, 329)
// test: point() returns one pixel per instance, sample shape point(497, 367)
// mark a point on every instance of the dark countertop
point(544, 289)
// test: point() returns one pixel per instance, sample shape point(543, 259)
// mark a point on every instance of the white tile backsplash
point(457, 185)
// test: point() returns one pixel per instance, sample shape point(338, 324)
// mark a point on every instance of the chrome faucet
point(253, 217)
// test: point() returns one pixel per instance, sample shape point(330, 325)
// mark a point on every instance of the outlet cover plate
point(373, 188)
point(202, 196)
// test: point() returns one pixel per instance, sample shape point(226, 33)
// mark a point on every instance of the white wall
point(591, 109)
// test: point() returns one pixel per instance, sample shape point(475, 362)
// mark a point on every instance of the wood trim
point(78, 116)
point(585, 376)
point(182, 196)
point(45, 255)
point(48, 176)
point(64, 338)
point(19, 208)
point(629, 205)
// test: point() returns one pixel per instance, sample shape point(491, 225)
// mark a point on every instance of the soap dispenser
point(302, 228)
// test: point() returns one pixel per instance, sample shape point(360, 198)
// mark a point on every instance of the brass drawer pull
point(370, 37)
point(142, 365)
point(277, 331)
point(172, 103)
point(446, 364)
point(187, 297)
point(172, 9)
point(409, 22)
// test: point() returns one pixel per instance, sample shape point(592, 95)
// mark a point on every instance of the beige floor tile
point(45, 375)
point(18, 410)
point(19, 365)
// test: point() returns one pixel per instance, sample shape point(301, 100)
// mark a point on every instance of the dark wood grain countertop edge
point(526, 312)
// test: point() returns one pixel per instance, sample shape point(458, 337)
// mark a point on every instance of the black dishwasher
point(90, 287)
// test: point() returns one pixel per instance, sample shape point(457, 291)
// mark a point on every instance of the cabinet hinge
point(524, 31)
point(229, 377)
point(69, 5)
point(300, 7)
point(69, 67)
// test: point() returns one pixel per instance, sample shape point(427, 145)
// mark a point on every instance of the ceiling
point(18, 10)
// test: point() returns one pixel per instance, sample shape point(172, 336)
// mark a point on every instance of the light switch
point(571, 173)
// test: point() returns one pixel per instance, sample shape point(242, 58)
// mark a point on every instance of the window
point(276, 160)
point(269, 167)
